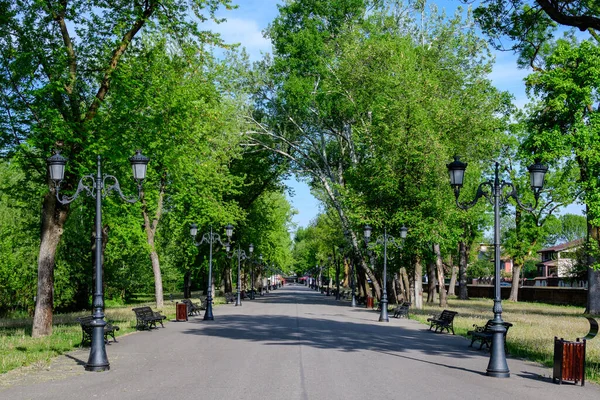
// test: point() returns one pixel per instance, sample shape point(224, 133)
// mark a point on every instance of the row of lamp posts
point(100, 186)
point(494, 192)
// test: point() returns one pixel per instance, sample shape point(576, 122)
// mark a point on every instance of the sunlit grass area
point(534, 327)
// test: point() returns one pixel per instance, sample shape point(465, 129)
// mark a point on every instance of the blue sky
point(245, 25)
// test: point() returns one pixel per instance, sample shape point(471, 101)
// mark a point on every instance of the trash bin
point(569, 361)
point(181, 312)
point(370, 302)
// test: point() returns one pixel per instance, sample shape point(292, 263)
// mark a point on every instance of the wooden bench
point(230, 297)
point(146, 318)
point(444, 321)
point(87, 328)
point(402, 310)
point(484, 334)
point(192, 308)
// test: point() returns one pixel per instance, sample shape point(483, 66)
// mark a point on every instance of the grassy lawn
point(18, 348)
point(534, 327)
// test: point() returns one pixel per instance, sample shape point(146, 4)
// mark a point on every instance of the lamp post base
point(497, 367)
point(383, 317)
point(97, 368)
point(208, 315)
point(98, 360)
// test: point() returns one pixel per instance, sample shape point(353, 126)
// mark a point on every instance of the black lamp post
point(328, 275)
point(383, 317)
point(209, 238)
point(497, 366)
point(260, 258)
point(98, 189)
point(241, 255)
point(353, 282)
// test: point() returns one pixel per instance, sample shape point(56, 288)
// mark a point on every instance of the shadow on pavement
point(311, 329)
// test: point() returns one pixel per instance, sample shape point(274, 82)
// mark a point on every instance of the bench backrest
point(143, 311)
point(448, 315)
point(85, 320)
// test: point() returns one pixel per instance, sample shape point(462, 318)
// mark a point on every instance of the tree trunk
point(227, 278)
point(418, 285)
point(405, 284)
point(440, 275)
point(347, 269)
point(593, 297)
point(514, 290)
point(452, 286)
point(150, 229)
point(462, 270)
point(54, 216)
point(431, 287)
point(396, 293)
point(187, 284)
point(351, 235)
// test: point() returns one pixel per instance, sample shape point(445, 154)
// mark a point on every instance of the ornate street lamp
point(384, 240)
point(209, 238)
point(353, 283)
point(241, 255)
point(497, 366)
point(337, 274)
point(97, 188)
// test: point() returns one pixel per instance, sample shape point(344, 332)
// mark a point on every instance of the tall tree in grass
point(54, 83)
point(566, 126)
point(348, 98)
point(172, 97)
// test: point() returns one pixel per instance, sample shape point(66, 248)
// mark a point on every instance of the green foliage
point(18, 245)
point(566, 228)
point(480, 268)
point(369, 107)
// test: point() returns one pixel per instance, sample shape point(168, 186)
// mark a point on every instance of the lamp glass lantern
point(56, 167)
point(251, 248)
point(229, 230)
point(368, 231)
point(456, 169)
point(139, 165)
point(537, 173)
point(193, 230)
point(403, 232)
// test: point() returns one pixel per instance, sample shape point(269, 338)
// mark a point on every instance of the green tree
point(347, 98)
point(54, 85)
point(565, 126)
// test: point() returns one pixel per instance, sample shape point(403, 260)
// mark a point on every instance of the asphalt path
point(292, 343)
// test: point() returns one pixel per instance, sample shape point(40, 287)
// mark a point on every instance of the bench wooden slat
point(444, 321)
point(402, 310)
point(146, 318)
point(87, 328)
point(484, 334)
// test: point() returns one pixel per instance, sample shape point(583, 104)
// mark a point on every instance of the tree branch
point(582, 22)
point(114, 61)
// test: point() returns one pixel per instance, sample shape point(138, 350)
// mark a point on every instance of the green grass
point(534, 327)
point(19, 349)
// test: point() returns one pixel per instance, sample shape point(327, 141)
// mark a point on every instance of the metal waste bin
point(181, 312)
point(370, 303)
point(569, 361)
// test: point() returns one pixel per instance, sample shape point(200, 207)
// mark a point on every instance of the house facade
point(556, 263)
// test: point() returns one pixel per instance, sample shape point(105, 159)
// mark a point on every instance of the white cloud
point(245, 32)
